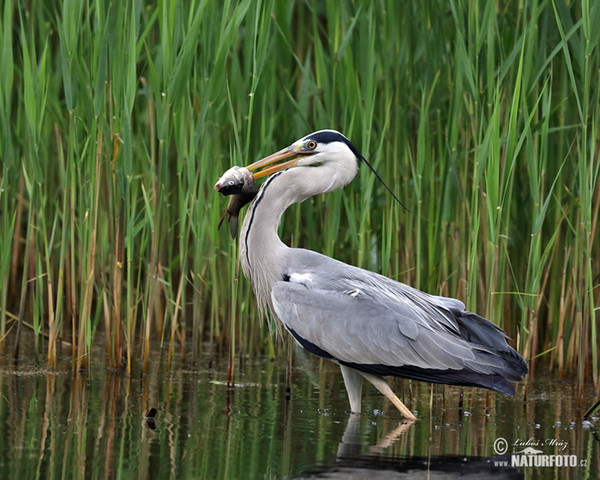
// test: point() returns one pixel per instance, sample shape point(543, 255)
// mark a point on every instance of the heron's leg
point(353, 381)
point(380, 384)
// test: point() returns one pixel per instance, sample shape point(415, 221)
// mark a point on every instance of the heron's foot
point(381, 385)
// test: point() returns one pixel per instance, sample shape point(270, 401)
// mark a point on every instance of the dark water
point(63, 425)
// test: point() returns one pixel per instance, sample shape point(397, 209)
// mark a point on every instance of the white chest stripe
point(301, 278)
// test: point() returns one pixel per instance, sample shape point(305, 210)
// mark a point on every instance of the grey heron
point(369, 324)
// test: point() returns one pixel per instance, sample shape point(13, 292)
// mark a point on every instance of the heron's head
point(325, 148)
point(322, 148)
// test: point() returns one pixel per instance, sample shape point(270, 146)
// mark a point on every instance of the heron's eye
point(311, 144)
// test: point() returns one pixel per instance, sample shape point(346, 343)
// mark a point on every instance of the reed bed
point(116, 118)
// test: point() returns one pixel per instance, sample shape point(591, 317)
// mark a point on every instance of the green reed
point(116, 120)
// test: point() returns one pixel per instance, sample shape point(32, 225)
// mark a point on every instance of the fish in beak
point(239, 185)
point(238, 182)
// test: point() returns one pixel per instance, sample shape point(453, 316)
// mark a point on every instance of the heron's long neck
point(261, 249)
point(262, 253)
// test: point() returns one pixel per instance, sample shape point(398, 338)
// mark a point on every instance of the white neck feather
point(262, 253)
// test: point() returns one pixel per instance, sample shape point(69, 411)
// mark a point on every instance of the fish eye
point(311, 144)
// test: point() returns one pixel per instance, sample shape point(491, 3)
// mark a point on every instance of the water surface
point(60, 424)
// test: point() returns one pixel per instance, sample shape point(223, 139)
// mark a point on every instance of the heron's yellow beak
point(287, 152)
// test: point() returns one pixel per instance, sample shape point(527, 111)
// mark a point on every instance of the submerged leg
point(353, 381)
point(380, 384)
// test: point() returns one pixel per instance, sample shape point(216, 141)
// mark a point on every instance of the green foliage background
point(116, 118)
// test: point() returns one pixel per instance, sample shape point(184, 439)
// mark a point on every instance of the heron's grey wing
point(357, 329)
point(319, 271)
point(362, 318)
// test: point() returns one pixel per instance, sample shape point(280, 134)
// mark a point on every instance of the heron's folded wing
point(329, 274)
point(353, 327)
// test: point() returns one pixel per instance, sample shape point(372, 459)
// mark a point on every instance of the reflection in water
point(151, 419)
point(351, 445)
point(356, 460)
point(58, 424)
